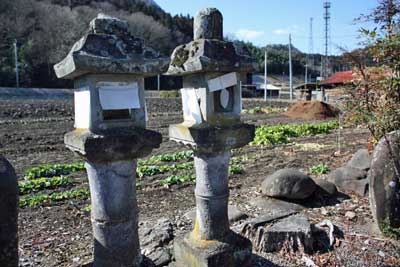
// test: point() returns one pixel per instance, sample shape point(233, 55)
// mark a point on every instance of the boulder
point(8, 215)
point(288, 183)
point(345, 174)
point(360, 160)
point(325, 187)
point(385, 188)
point(350, 179)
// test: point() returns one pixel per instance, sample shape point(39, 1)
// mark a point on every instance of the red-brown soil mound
point(312, 110)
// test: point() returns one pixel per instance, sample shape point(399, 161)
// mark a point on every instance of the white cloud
point(248, 34)
point(280, 31)
point(284, 31)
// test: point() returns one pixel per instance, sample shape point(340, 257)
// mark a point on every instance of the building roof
point(340, 77)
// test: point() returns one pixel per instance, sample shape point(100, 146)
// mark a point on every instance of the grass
point(34, 185)
point(282, 134)
point(319, 169)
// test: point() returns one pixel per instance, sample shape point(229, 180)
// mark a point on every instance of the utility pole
point(290, 68)
point(265, 73)
point(16, 63)
point(158, 82)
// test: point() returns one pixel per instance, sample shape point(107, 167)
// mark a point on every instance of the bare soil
point(31, 133)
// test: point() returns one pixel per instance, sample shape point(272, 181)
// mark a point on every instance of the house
point(339, 78)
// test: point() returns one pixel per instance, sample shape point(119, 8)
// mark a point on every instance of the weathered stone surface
point(112, 145)
point(350, 179)
point(156, 241)
point(108, 47)
point(360, 187)
point(345, 173)
point(325, 187)
point(360, 160)
point(293, 231)
point(205, 55)
point(385, 188)
point(272, 207)
point(208, 52)
point(208, 24)
point(288, 183)
point(212, 138)
point(234, 214)
point(8, 215)
point(233, 251)
point(114, 213)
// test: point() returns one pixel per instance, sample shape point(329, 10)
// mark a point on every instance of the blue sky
point(270, 21)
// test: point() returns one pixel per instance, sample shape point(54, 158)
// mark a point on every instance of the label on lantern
point(82, 108)
point(190, 105)
point(222, 82)
point(114, 95)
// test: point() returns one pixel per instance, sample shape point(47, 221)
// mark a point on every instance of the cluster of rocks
point(354, 175)
point(281, 224)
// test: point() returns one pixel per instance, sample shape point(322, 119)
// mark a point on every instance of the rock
point(360, 160)
point(288, 183)
point(350, 179)
point(272, 207)
point(325, 187)
point(8, 215)
point(385, 190)
point(346, 173)
point(350, 215)
point(234, 214)
point(155, 241)
point(294, 231)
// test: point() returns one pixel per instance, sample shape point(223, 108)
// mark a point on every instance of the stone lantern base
point(233, 251)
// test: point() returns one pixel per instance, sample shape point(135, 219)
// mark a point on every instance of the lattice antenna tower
point(327, 18)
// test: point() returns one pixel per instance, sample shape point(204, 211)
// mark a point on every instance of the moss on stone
point(181, 56)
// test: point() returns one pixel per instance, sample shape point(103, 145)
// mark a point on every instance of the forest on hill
point(45, 31)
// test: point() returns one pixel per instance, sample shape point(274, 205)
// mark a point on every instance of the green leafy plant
point(34, 185)
point(151, 170)
point(390, 231)
point(46, 199)
point(281, 134)
point(236, 169)
point(319, 169)
point(53, 170)
point(168, 157)
point(178, 179)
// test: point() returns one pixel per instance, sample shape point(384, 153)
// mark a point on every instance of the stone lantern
point(211, 98)
point(108, 66)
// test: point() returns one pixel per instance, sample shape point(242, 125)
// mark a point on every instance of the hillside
point(44, 39)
